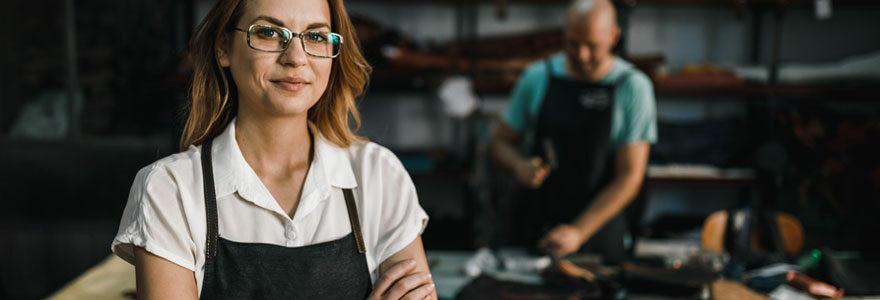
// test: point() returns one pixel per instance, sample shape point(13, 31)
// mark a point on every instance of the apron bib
point(573, 136)
point(331, 270)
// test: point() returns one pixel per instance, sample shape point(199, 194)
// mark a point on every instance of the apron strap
point(210, 201)
point(353, 218)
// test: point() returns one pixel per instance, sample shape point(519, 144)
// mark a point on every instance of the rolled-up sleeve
point(155, 220)
point(402, 218)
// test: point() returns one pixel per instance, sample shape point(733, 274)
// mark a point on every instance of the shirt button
point(291, 231)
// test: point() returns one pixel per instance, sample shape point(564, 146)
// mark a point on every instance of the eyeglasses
point(270, 38)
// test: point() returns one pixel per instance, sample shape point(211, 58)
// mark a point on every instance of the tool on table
point(571, 269)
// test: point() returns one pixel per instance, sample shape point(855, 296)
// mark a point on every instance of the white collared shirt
point(165, 213)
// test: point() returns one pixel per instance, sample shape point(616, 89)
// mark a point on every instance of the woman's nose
point(294, 54)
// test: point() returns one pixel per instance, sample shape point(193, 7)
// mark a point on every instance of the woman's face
point(277, 83)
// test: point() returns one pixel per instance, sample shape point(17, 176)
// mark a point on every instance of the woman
point(273, 196)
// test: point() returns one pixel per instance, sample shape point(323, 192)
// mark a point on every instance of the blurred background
point(760, 102)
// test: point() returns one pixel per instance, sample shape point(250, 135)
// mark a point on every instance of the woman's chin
point(291, 105)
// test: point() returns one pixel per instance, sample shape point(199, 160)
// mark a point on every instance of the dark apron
point(330, 270)
point(573, 135)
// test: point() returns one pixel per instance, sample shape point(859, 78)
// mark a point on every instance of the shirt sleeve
point(639, 122)
point(528, 88)
point(402, 218)
point(154, 220)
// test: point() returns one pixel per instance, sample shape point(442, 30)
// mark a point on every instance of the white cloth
point(165, 213)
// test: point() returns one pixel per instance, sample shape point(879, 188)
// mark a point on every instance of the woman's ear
point(223, 51)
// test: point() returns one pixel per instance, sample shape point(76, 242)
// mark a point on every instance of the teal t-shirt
point(634, 116)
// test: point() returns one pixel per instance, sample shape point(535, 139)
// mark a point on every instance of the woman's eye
point(316, 37)
point(267, 33)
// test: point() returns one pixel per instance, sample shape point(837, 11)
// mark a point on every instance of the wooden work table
point(111, 279)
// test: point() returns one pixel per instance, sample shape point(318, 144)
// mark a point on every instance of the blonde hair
point(213, 99)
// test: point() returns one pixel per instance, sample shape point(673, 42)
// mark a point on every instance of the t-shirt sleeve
point(639, 111)
point(527, 89)
point(402, 218)
point(154, 220)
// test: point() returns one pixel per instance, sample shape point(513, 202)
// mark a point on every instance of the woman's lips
point(292, 86)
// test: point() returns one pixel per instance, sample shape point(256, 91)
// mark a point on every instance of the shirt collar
point(334, 160)
point(331, 167)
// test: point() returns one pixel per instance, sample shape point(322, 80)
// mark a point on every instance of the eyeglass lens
point(276, 39)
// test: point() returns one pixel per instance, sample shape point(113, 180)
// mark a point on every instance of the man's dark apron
point(573, 129)
point(330, 270)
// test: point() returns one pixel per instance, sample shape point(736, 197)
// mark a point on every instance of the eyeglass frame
point(293, 35)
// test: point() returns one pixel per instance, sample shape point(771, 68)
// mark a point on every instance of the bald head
point(592, 13)
point(590, 33)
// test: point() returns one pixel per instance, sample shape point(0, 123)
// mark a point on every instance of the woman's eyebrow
point(268, 19)
point(279, 23)
point(318, 25)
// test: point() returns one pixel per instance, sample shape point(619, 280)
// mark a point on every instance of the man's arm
point(530, 87)
point(629, 171)
point(502, 149)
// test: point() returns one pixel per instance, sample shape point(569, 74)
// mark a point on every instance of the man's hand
point(562, 240)
point(397, 283)
point(528, 172)
point(532, 173)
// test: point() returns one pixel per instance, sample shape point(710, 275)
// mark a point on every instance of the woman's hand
point(400, 282)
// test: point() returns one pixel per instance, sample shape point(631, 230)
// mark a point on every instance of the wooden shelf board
point(832, 90)
point(864, 90)
point(699, 174)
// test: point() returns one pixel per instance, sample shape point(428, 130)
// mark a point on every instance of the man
point(593, 119)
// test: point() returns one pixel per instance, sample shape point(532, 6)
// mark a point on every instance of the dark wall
point(61, 199)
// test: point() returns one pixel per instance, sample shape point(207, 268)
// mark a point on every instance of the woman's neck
point(274, 147)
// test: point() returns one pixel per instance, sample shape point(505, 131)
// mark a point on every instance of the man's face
point(588, 42)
